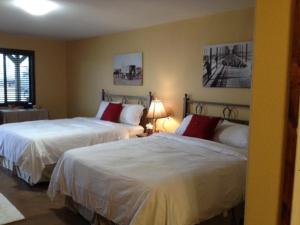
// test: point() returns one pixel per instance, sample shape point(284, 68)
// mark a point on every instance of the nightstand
point(143, 135)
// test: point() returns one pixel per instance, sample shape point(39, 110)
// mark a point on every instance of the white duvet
point(163, 179)
point(33, 145)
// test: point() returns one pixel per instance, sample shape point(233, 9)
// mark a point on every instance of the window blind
point(16, 77)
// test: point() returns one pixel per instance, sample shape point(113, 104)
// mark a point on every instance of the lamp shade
point(156, 110)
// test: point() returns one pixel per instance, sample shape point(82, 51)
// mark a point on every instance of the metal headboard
point(142, 100)
point(227, 112)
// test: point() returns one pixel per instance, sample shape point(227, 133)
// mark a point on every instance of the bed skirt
point(7, 164)
point(236, 214)
point(90, 216)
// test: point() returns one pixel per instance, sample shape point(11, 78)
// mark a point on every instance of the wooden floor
point(35, 205)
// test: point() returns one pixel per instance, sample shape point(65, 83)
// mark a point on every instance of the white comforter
point(33, 145)
point(164, 179)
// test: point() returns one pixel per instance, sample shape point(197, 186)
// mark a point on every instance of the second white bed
point(164, 179)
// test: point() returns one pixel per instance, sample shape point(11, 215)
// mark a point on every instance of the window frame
point(31, 55)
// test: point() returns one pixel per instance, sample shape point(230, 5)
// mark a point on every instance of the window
point(16, 77)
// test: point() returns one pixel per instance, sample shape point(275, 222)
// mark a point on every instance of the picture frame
point(227, 65)
point(128, 69)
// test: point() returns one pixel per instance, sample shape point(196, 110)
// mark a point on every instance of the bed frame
point(229, 110)
point(141, 100)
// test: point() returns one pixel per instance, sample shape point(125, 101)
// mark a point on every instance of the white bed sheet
point(163, 179)
point(33, 145)
point(133, 131)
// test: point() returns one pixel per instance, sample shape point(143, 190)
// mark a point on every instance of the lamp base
point(154, 125)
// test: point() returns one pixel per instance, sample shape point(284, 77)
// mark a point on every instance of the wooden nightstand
point(143, 135)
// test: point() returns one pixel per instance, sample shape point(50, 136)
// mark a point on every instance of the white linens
point(164, 179)
point(133, 130)
point(33, 145)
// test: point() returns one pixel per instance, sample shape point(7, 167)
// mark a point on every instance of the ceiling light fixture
point(36, 7)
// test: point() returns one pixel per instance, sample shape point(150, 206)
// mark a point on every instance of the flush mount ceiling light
point(36, 7)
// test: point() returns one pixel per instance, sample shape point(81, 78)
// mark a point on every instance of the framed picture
point(128, 69)
point(228, 65)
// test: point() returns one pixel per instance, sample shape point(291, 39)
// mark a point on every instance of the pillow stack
point(117, 112)
point(212, 128)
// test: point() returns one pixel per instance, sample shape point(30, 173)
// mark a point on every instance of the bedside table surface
point(143, 135)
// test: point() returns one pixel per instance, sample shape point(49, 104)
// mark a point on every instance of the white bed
point(164, 179)
point(30, 148)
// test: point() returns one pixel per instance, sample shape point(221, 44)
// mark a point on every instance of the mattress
point(32, 146)
point(164, 179)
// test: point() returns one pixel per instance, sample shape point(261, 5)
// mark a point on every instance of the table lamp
point(156, 111)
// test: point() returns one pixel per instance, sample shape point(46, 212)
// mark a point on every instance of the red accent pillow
point(202, 127)
point(112, 112)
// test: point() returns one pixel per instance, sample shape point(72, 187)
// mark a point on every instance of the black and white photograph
point(128, 69)
point(228, 65)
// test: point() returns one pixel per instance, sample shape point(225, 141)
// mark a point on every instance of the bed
point(31, 149)
point(163, 179)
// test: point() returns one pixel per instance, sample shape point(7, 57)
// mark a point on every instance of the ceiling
point(77, 19)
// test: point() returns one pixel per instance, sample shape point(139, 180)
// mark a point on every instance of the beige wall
point(50, 70)
point(268, 114)
point(172, 62)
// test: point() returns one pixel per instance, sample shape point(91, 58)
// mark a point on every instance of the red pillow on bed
point(112, 112)
point(202, 127)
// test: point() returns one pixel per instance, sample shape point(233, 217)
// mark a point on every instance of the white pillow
point(131, 114)
point(232, 134)
point(184, 124)
point(103, 105)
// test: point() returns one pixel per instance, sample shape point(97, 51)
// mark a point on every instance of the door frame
point(292, 120)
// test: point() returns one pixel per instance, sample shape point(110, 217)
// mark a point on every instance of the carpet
point(8, 212)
